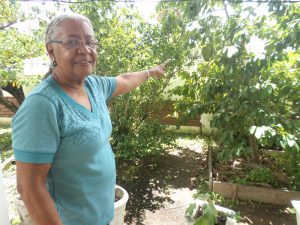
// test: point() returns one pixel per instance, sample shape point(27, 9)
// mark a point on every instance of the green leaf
point(206, 219)
point(190, 209)
point(211, 210)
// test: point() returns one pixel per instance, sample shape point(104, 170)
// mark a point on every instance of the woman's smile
point(83, 62)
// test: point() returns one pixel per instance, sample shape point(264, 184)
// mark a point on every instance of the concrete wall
point(166, 117)
point(205, 124)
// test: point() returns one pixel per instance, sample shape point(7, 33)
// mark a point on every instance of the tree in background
point(253, 96)
point(14, 48)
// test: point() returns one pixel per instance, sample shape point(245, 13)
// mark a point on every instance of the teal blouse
point(50, 127)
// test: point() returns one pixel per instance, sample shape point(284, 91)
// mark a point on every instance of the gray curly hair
point(52, 27)
point(54, 23)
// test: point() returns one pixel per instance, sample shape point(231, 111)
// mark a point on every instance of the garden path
point(164, 187)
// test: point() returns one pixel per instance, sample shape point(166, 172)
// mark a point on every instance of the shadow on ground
point(148, 182)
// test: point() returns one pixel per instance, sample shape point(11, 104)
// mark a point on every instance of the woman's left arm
point(129, 81)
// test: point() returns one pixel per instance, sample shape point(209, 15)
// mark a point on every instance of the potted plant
point(120, 205)
point(207, 213)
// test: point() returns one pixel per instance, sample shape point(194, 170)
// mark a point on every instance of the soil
point(185, 167)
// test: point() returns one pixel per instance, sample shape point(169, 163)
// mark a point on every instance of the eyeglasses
point(75, 43)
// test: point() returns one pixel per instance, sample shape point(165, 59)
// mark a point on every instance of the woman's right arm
point(31, 184)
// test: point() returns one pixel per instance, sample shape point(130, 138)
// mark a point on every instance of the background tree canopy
point(253, 96)
point(15, 47)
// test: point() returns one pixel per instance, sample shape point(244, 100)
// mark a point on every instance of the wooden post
point(254, 147)
point(210, 178)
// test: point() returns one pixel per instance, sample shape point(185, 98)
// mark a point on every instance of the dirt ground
point(184, 168)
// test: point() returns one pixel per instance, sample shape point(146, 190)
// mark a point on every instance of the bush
point(136, 132)
point(5, 143)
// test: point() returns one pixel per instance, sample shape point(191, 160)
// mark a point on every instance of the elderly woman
point(65, 164)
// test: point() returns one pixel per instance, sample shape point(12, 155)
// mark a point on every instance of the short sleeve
point(106, 84)
point(35, 131)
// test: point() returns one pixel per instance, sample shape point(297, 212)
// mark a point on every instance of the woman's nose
point(83, 47)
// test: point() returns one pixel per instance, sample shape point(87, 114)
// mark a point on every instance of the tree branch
point(225, 8)
point(17, 92)
point(9, 105)
point(3, 26)
point(9, 23)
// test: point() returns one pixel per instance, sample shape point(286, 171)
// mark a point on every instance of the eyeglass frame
point(80, 42)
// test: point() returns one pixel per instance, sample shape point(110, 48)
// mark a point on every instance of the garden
point(235, 61)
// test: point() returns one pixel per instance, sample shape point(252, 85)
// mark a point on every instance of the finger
point(165, 63)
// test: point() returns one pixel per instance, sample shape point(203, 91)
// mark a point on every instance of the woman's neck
point(75, 90)
point(70, 86)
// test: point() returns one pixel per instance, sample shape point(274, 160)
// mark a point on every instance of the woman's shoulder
point(44, 90)
point(101, 85)
point(102, 81)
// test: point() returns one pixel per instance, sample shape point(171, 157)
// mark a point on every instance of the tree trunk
point(16, 92)
point(9, 105)
point(255, 151)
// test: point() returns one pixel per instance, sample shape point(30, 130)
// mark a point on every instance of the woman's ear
point(49, 48)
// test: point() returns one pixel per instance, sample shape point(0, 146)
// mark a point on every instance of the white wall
point(205, 121)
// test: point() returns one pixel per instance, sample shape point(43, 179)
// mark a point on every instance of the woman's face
point(74, 62)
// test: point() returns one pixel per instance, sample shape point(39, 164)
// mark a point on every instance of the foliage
point(207, 214)
point(9, 13)
point(189, 211)
point(289, 163)
point(15, 46)
point(258, 175)
point(246, 91)
point(5, 142)
point(134, 134)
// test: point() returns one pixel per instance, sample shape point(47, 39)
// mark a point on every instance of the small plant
point(5, 143)
point(207, 213)
point(261, 175)
point(289, 163)
point(257, 175)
